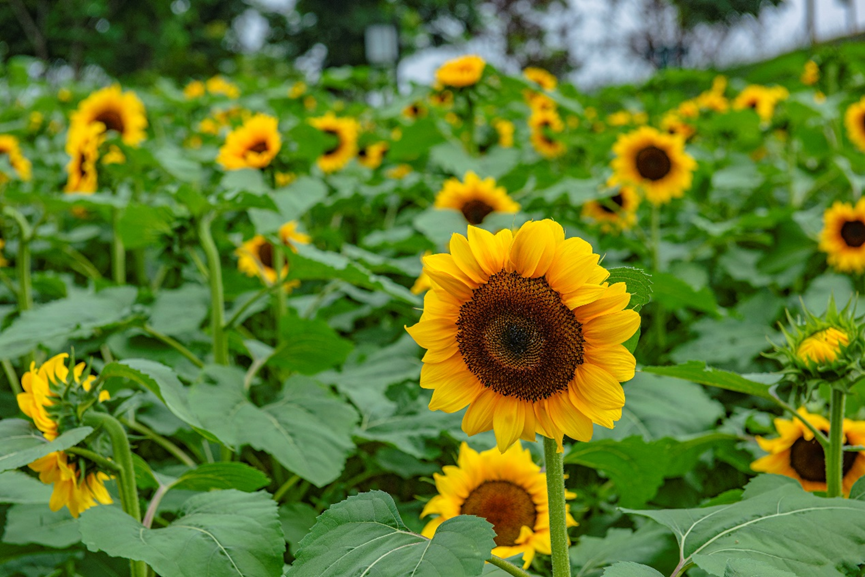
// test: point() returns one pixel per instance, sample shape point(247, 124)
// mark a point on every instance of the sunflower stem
point(834, 460)
point(555, 469)
point(176, 345)
point(660, 317)
point(217, 298)
point(166, 444)
point(11, 376)
point(22, 266)
point(507, 567)
point(118, 251)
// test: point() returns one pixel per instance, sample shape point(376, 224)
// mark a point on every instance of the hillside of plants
point(269, 327)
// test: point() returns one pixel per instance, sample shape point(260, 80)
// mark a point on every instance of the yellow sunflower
point(76, 491)
point(82, 146)
point(195, 89)
point(810, 74)
point(854, 120)
point(252, 145)
point(505, 130)
point(761, 99)
point(543, 124)
point(284, 178)
point(523, 329)
point(120, 112)
point(541, 77)
point(620, 118)
point(797, 454)
point(461, 72)
point(441, 97)
point(822, 347)
point(10, 148)
point(507, 489)
point(671, 123)
point(615, 213)
point(399, 171)
point(255, 256)
point(655, 163)
point(414, 110)
point(219, 85)
point(843, 236)
point(711, 100)
point(539, 101)
point(422, 284)
point(345, 130)
point(475, 198)
point(372, 155)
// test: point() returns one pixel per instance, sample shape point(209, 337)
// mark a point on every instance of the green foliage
point(21, 443)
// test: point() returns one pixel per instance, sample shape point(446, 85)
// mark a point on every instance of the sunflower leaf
point(628, 569)
point(21, 443)
point(364, 534)
point(698, 372)
point(638, 281)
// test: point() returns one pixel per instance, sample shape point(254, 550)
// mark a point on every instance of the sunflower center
point(617, 200)
point(336, 146)
point(111, 119)
point(809, 461)
point(506, 505)
point(653, 163)
point(265, 255)
point(476, 211)
point(259, 147)
point(362, 153)
point(853, 233)
point(518, 338)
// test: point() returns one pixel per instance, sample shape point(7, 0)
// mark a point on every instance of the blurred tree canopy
point(694, 12)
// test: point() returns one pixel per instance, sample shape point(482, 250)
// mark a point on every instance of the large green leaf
point(210, 476)
point(305, 429)
point(21, 443)
point(180, 311)
point(38, 524)
point(591, 554)
point(292, 202)
point(627, 569)
point(675, 293)
point(218, 534)
point(639, 282)
point(18, 487)
point(364, 535)
point(698, 372)
point(310, 345)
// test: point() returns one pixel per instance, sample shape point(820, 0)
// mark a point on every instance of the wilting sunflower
point(507, 489)
point(843, 236)
point(475, 198)
point(72, 487)
point(655, 163)
point(345, 130)
point(810, 74)
point(461, 72)
point(541, 77)
point(12, 151)
point(252, 145)
point(256, 254)
point(544, 124)
point(372, 155)
point(505, 130)
point(797, 454)
point(120, 112)
point(523, 329)
point(761, 99)
point(614, 213)
point(82, 146)
point(854, 120)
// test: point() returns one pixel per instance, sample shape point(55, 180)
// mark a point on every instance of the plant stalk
point(507, 567)
point(555, 469)
point(217, 297)
point(834, 459)
point(176, 345)
point(118, 251)
point(660, 320)
point(166, 444)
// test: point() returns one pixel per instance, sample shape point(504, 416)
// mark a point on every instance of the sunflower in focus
point(82, 146)
point(194, 89)
point(810, 74)
point(614, 213)
point(256, 257)
point(522, 328)
point(655, 163)
point(544, 124)
point(10, 148)
point(372, 155)
point(843, 236)
point(461, 72)
point(854, 120)
point(761, 99)
point(475, 198)
point(797, 454)
point(541, 77)
point(252, 145)
point(346, 131)
point(507, 489)
point(505, 130)
point(118, 111)
point(72, 487)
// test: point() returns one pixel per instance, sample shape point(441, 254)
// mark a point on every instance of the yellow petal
point(479, 416)
point(569, 419)
point(615, 359)
point(486, 250)
point(508, 421)
point(454, 394)
point(533, 249)
point(612, 329)
point(461, 251)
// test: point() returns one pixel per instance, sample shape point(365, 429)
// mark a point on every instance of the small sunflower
point(82, 146)
point(461, 72)
point(505, 130)
point(346, 131)
point(614, 213)
point(219, 85)
point(655, 163)
point(711, 100)
point(671, 123)
point(475, 198)
point(297, 90)
point(284, 178)
point(507, 489)
point(10, 148)
point(441, 97)
point(761, 99)
point(399, 171)
point(854, 120)
point(541, 77)
point(823, 347)
point(195, 89)
point(120, 112)
point(543, 124)
point(523, 329)
point(797, 454)
point(253, 145)
point(255, 256)
point(538, 101)
point(810, 74)
point(620, 118)
point(414, 110)
point(372, 155)
point(843, 236)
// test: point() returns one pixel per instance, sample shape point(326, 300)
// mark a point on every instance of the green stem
point(555, 470)
point(507, 567)
point(660, 320)
point(279, 296)
point(834, 461)
point(140, 260)
point(118, 252)
point(818, 434)
point(170, 447)
point(87, 268)
point(176, 345)
point(96, 458)
point(11, 376)
point(217, 298)
point(126, 481)
point(280, 493)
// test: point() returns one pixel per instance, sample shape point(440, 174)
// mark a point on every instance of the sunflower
point(810, 74)
point(461, 72)
point(843, 236)
point(475, 198)
point(523, 329)
point(252, 145)
point(711, 100)
point(372, 155)
point(255, 256)
point(121, 112)
point(655, 163)
point(671, 123)
point(761, 99)
point(854, 120)
point(797, 454)
point(539, 101)
point(823, 347)
point(345, 130)
point(620, 118)
point(414, 110)
point(72, 488)
point(399, 171)
point(507, 489)
point(541, 77)
point(10, 149)
point(614, 213)
point(195, 89)
point(422, 283)
point(543, 124)
point(219, 85)
point(505, 130)
point(441, 97)
point(82, 146)
point(284, 178)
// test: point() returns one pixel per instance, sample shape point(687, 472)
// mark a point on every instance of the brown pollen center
point(853, 233)
point(259, 147)
point(111, 119)
point(476, 211)
point(653, 163)
point(617, 200)
point(809, 461)
point(265, 255)
point(506, 505)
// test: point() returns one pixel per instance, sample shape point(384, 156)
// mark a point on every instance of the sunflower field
point(493, 326)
